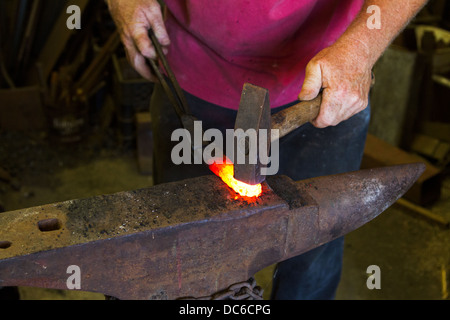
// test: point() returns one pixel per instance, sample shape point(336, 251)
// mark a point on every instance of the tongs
point(172, 90)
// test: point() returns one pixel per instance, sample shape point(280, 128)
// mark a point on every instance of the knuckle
point(142, 44)
point(362, 105)
point(354, 95)
point(365, 102)
point(353, 98)
point(154, 8)
point(145, 51)
point(311, 64)
point(126, 40)
point(331, 123)
point(327, 121)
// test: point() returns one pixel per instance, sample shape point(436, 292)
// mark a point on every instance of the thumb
point(313, 82)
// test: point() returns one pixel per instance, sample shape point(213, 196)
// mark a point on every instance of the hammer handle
point(294, 117)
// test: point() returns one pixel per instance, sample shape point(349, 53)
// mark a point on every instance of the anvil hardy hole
point(49, 225)
point(5, 244)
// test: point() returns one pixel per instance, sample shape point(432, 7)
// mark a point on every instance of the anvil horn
point(190, 238)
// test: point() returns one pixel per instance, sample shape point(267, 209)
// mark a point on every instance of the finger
point(313, 82)
point(155, 18)
point(355, 104)
point(143, 43)
point(139, 63)
point(338, 106)
point(329, 111)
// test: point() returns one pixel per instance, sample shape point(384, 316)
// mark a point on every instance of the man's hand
point(133, 19)
point(344, 69)
point(345, 74)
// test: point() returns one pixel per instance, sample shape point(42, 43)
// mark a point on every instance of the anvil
point(190, 238)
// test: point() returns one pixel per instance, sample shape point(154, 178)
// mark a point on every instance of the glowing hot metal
point(225, 170)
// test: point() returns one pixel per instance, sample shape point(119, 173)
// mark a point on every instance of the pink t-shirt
point(218, 45)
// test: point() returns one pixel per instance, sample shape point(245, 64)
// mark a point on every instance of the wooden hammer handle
point(294, 117)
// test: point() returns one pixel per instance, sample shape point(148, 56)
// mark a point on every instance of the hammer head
point(252, 135)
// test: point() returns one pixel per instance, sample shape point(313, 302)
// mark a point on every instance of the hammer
point(254, 120)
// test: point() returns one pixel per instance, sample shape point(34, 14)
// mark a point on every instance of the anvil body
point(190, 238)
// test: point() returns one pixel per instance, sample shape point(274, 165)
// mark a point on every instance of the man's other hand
point(133, 19)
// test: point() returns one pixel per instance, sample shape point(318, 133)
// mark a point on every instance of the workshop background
point(74, 123)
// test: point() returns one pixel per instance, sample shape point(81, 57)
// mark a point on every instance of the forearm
point(394, 15)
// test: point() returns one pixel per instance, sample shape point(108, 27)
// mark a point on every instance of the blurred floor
point(413, 254)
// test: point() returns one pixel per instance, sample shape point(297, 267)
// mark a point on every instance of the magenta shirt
point(218, 45)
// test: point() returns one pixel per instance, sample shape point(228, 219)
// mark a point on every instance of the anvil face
point(189, 238)
point(125, 213)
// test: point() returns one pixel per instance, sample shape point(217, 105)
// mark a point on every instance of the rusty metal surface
point(189, 238)
point(124, 213)
point(426, 190)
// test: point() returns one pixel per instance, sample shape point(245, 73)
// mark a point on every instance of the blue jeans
point(305, 153)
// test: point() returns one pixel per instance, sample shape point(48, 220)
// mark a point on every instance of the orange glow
point(226, 172)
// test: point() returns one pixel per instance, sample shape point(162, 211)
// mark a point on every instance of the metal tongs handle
point(177, 98)
point(173, 91)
